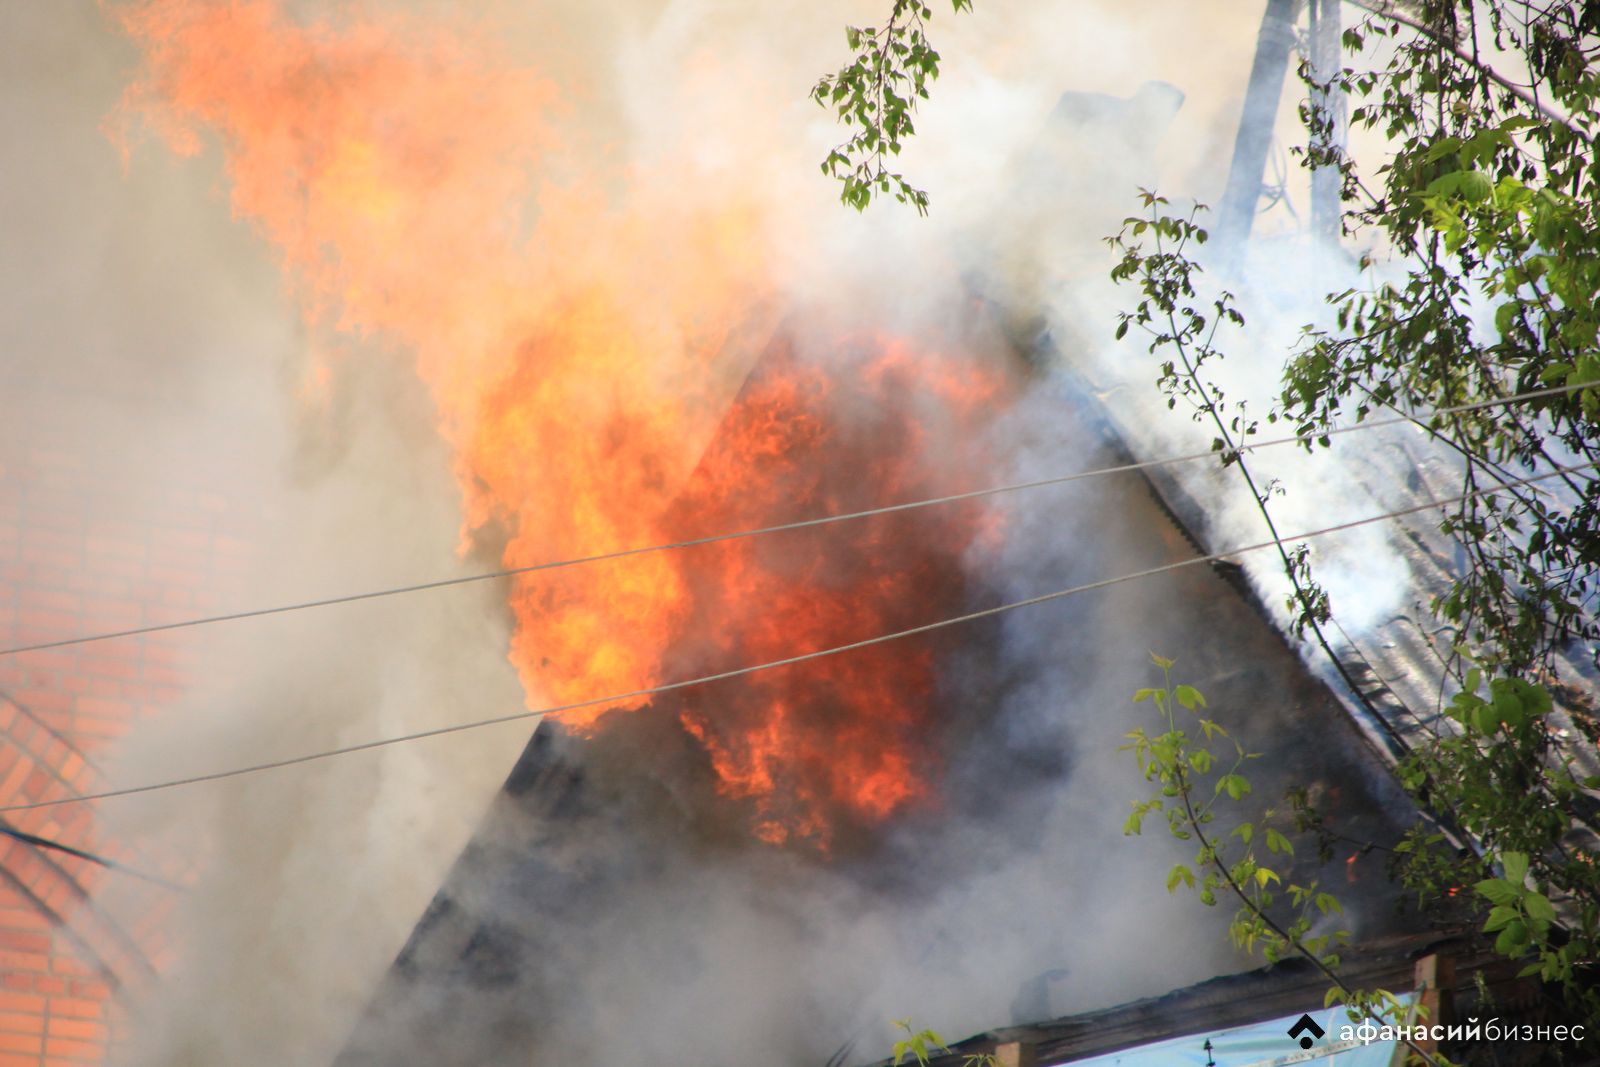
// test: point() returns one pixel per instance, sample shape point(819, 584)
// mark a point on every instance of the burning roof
point(613, 363)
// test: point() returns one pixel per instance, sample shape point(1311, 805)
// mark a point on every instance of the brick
point(38, 624)
point(22, 918)
point(43, 699)
point(73, 965)
point(13, 781)
point(38, 782)
point(52, 523)
point(98, 685)
point(61, 897)
point(48, 555)
point(96, 549)
point(163, 676)
point(21, 1003)
point(101, 706)
point(81, 1029)
point(115, 568)
point(12, 1059)
point(86, 581)
point(50, 985)
point(21, 1043)
point(37, 599)
point(33, 962)
point(93, 726)
point(77, 1007)
point(109, 611)
point(20, 1023)
point(110, 667)
point(29, 734)
point(45, 576)
point(72, 767)
point(185, 572)
point(91, 989)
point(55, 659)
point(25, 941)
point(83, 1050)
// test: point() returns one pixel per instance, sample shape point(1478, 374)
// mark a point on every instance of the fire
point(855, 734)
point(588, 354)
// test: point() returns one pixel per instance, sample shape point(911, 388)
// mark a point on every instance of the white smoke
point(310, 879)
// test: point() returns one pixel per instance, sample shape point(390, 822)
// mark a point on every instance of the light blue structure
point(1262, 1044)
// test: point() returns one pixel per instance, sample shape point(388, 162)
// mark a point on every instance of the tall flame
point(586, 353)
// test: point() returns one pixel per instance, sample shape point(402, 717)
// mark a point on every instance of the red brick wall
point(94, 536)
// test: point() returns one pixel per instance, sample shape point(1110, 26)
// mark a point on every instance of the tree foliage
point(920, 1046)
point(1485, 215)
point(876, 94)
point(1483, 284)
point(1197, 792)
point(1489, 200)
point(1489, 203)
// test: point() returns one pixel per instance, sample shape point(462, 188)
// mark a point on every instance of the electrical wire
point(802, 524)
point(788, 661)
point(109, 864)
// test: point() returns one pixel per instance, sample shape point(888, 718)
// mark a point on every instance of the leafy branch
point(1494, 771)
point(1515, 792)
point(921, 1045)
point(1231, 863)
point(1174, 317)
point(877, 93)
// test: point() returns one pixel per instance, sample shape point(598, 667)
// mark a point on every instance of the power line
point(109, 864)
point(824, 520)
point(789, 661)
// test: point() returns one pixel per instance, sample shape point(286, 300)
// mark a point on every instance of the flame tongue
point(850, 737)
point(581, 360)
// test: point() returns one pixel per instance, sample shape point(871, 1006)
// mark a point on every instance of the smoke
point(659, 161)
point(150, 337)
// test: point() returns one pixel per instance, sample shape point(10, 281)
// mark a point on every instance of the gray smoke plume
point(647, 931)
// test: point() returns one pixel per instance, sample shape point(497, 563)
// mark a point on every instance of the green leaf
point(1179, 873)
point(1235, 785)
point(1189, 697)
point(1485, 718)
point(1511, 940)
point(1539, 908)
point(1444, 146)
point(1516, 866)
point(1497, 891)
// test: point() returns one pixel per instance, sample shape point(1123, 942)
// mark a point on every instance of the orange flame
point(583, 351)
point(852, 734)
